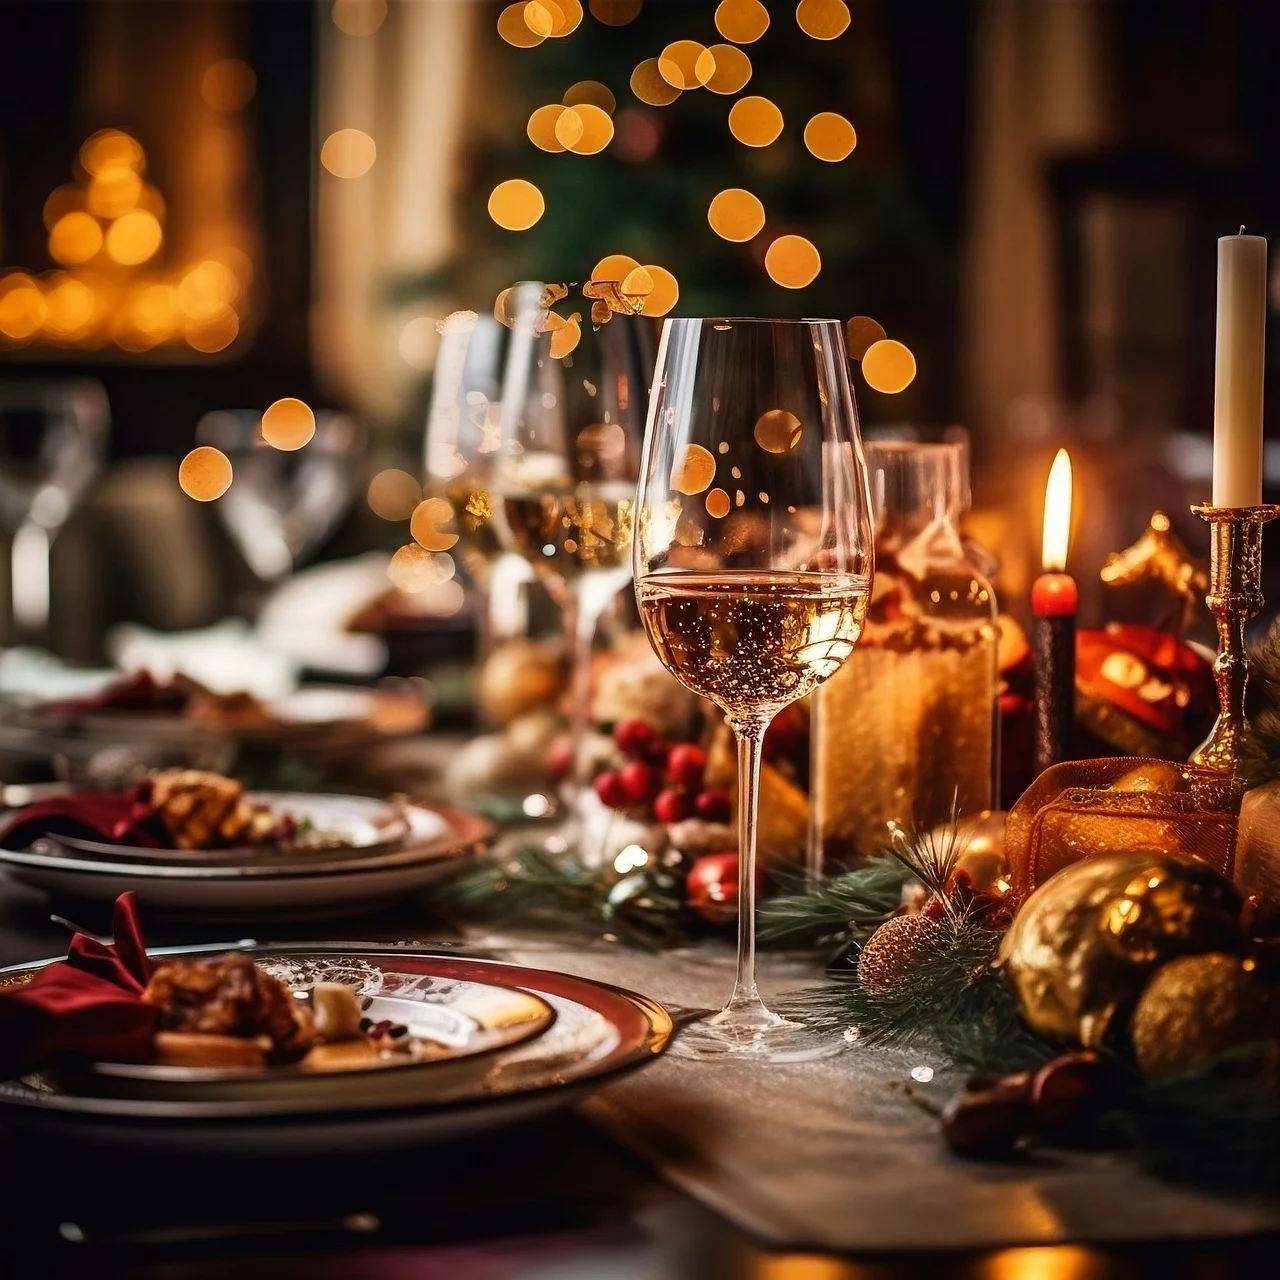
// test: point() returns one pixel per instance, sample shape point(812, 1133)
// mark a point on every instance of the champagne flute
point(753, 561)
point(572, 419)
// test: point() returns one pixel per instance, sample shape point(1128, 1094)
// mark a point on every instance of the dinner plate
point(438, 840)
point(599, 1033)
point(334, 827)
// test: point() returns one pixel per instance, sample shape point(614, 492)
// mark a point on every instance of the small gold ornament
point(897, 945)
point(1196, 1008)
point(1084, 945)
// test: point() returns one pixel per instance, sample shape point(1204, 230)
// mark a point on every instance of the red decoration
point(1054, 595)
point(711, 886)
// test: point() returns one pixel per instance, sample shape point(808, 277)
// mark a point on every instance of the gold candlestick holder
point(1235, 596)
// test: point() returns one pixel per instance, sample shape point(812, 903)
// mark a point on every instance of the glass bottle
point(909, 724)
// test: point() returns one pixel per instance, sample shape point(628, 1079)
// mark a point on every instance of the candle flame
point(1057, 514)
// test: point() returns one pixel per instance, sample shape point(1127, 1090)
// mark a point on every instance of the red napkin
point(113, 817)
point(89, 1005)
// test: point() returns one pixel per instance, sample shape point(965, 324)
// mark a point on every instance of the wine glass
point(52, 438)
point(283, 503)
point(572, 418)
point(753, 561)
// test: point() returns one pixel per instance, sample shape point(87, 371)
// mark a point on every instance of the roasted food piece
point(231, 996)
point(202, 810)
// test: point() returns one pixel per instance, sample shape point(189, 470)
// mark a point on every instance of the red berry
point(633, 737)
point(671, 806)
point(686, 764)
point(713, 805)
point(609, 788)
point(638, 780)
point(558, 760)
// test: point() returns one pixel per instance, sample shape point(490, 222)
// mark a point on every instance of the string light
point(205, 473)
point(792, 261)
point(516, 205)
point(288, 424)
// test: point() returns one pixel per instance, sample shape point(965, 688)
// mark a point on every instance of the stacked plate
point(507, 1043)
point(358, 854)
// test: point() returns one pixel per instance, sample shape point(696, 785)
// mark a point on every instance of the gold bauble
point(895, 947)
point(518, 677)
point(980, 838)
point(1196, 1008)
point(1085, 943)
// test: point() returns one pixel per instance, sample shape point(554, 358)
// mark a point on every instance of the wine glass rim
point(775, 320)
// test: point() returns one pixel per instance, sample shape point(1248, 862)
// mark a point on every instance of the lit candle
point(1237, 391)
point(1054, 599)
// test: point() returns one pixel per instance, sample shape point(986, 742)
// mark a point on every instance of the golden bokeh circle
point(210, 334)
point(694, 471)
point(823, 19)
point(596, 132)
point(359, 17)
point(288, 424)
point(778, 431)
point(542, 17)
point(755, 121)
point(154, 312)
point(542, 127)
point(516, 204)
point(614, 267)
point(592, 92)
point(413, 568)
point(742, 21)
point(615, 13)
point(665, 292)
point(717, 504)
point(569, 127)
point(75, 238)
point(348, 153)
point(732, 69)
point(686, 64)
point(515, 30)
point(228, 85)
point(571, 16)
point(394, 494)
point(648, 84)
point(134, 238)
point(205, 473)
point(110, 147)
point(735, 214)
point(861, 333)
point(888, 366)
point(113, 191)
point(792, 261)
point(829, 136)
point(566, 337)
point(68, 198)
point(638, 283)
point(425, 522)
point(69, 309)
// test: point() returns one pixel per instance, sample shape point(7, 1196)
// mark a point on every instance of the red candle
point(1054, 600)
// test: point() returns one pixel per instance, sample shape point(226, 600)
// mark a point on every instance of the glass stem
point(580, 633)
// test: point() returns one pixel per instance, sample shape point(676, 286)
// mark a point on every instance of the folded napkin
point(89, 1005)
point(115, 817)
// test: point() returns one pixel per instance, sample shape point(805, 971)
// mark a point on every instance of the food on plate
point(201, 810)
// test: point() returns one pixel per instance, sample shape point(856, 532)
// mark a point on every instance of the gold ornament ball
point(1084, 945)
point(519, 677)
point(897, 946)
point(1196, 1008)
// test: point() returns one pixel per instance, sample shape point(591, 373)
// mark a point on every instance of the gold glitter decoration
point(888, 366)
point(591, 92)
point(694, 471)
point(829, 136)
point(736, 214)
point(569, 127)
point(792, 262)
point(665, 292)
point(822, 19)
point(649, 86)
point(393, 494)
point(614, 266)
point(205, 473)
point(718, 504)
point(542, 127)
point(778, 431)
point(755, 121)
point(516, 204)
point(862, 333)
point(425, 524)
point(742, 21)
point(733, 68)
point(288, 424)
point(596, 132)
point(566, 337)
point(513, 28)
point(614, 13)
point(686, 64)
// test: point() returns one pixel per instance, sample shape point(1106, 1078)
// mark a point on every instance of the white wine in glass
point(753, 562)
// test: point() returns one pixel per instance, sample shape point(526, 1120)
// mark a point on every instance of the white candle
point(1237, 392)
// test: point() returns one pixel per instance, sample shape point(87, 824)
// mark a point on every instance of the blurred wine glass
point(572, 419)
point(52, 439)
point(283, 503)
point(753, 559)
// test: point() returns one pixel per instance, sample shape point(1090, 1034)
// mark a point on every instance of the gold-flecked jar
point(908, 725)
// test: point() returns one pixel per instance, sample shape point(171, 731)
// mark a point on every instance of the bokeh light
point(516, 204)
point(569, 128)
point(413, 569)
point(348, 153)
point(513, 28)
point(75, 238)
point(736, 214)
point(207, 289)
point(615, 13)
point(648, 85)
point(426, 521)
point(229, 84)
point(565, 339)
point(778, 431)
point(733, 69)
point(214, 333)
point(597, 129)
point(113, 191)
point(393, 494)
point(593, 92)
point(888, 366)
point(694, 471)
point(288, 424)
point(742, 21)
point(134, 237)
point(792, 261)
point(68, 198)
point(22, 307)
point(755, 121)
point(829, 136)
point(109, 147)
point(542, 127)
point(665, 292)
point(823, 19)
point(69, 310)
point(717, 504)
point(614, 266)
point(154, 312)
point(418, 342)
point(205, 473)
point(359, 17)
point(686, 64)
point(861, 333)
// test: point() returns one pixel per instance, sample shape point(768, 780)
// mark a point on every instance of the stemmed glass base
point(744, 1028)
